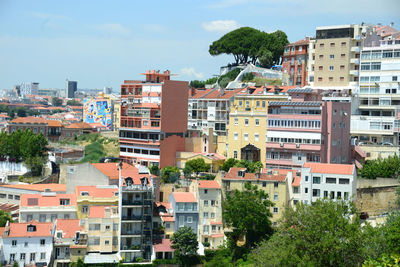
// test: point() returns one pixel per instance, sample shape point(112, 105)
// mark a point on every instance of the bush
point(384, 168)
point(247, 77)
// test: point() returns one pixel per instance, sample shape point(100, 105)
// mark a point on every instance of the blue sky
point(101, 43)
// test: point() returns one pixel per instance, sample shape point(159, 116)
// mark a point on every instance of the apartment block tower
point(294, 65)
point(334, 56)
point(70, 88)
point(153, 119)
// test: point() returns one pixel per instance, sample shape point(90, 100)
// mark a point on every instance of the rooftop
point(97, 191)
point(111, 170)
point(36, 229)
point(212, 184)
point(79, 125)
point(184, 197)
point(100, 211)
point(38, 187)
point(69, 227)
point(346, 169)
point(47, 200)
point(164, 246)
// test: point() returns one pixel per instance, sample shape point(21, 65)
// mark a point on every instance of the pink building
point(312, 127)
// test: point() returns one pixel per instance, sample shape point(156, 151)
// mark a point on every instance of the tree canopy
point(248, 213)
point(57, 102)
point(248, 45)
point(170, 174)
point(251, 166)
point(383, 168)
point(184, 241)
point(73, 102)
point(196, 166)
point(4, 217)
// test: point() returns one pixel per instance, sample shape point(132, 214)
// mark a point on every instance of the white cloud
point(191, 72)
point(113, 28)
point(220, 25)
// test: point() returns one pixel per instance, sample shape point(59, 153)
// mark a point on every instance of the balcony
point(356, 49)
point(131, 247)
point(355, 61)
point(294, 146)
point(132, 218)
point(354, 72)
point(131, 232)
point(126, 202)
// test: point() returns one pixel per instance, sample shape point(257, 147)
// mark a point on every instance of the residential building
point(209, 196)
point(136, 194)
point(325, 180)
point(98, 196)
point(47, 207)
point(209, 108)
point(294, 63)
point(150, 133)
point(377, 117)
point(247, 121)
point(274, 183)
point(65, 236)
point(11, 193)
point(27, 88)
point(185, 210)
point(28, 244)
point(214, 159)
point(163, 250)
point(310, 128)
point(70, 88)
point(335, 56)
point(51, 129)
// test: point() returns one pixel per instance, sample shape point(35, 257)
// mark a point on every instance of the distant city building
point(53, 92)
point(26, 88)
point(70, 88)
point(294, 65)
point(107, 90)
point(154, 116)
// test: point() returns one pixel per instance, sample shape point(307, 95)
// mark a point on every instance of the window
point(29, 217)
point(257, 122)
point(331, 68)
point(257, 103)
point(346, 195)
point(344, 181)
point(26, 244)
point(246, 122)
point(235, 136)
point(341, 79)
point(206, 203)
point(256, 137)
point(235, 154)
point(321, 45)
point(205, 215)
point(240, 103)
point(342, 55)
point(189, 219)
point(206, 228)
point(306, 178)
point(43, 255)
point(54, 217)
point(263, 104)
point(181, 221)
point(330, 79)
point(320, 79)
point(22, 257)
point(332, 44)
point(276, 184)
point(168, 225)
point(10, 196)
point(212, 215)
point(106, 242)
point(115, 241)
point(205, 191)
point(341, 67)
point(66, 216)
point(276, 196)
point(42, 242)
point(315, 192)
point(394, 78)
point(94, 241)
point(264, 184)
point(306, 190)
point(246, 137)
point(331, 180)
point(321, 68)
point(276, 210)
point(94, 227)
point(33, 256)
point(332, 194)
point(64, 202)
point(14, 243)
point(331, 56)
point(236, 121)
point(107, 227)
point(85, 209)
point(12, 257)
point(316, 180)
point(321, 56)
point(212, 203)
point(343, 44)
point(339, 195)
point(325, 193)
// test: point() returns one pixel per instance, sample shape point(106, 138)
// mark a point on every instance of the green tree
point(4, 217)
point(35, 164)
point(322, 234)
point(265, 57)
point(21, 112)
point(170, 174)
point(247, 77)
point(198, 165)
point(392, 233)
point(11, 114)
point(15, 264)
point(78, 263)
point(184, 241)
point(251, 166)
point(154, 170)
point(73, 102)
point(229, 163)
point(248, 213)
point(197, 84)
point(57, 102)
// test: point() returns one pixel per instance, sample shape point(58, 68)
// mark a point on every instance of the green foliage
point(21, 112)
point(254, 222)
point(4, 217)
point(383, 168)
point(251, 166)
point(94, 152)
point(35, 164)
point(248, 45)
point(78, 263)
point(229, 163)
point(247, 77)
point(170, 174)
point(15, 264)
point(264, 81)
point(73, 102)
point(197, 84)
point(265, 57)
point(321, 234)
point(154, 170)
point(223, 82)
point(198, 165)
point(184, 241)
point(218, 258)
point(392, 233)
point(57, 102)
point(383, 261)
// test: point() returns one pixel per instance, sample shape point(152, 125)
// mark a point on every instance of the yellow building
point(274, 184)
point(98, 195)
point(247, 127)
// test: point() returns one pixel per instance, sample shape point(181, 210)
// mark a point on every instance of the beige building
point(334, 56)
point(247, 127)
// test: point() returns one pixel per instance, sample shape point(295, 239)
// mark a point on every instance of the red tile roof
point(167, 205)
point(31, 120)
point(21, 229)
point(164, 246)
point(184, 197)
point(111, 170)
point(79, 125)
point(217, 235)
point(100, 211)
point(167, 218)
point(54, 123)
point(216, 223)
point(233, 172)
point(96, 191)
point(209, 184)
point(296, 181)
point(69, 227)
point(46, 201)
point(226, 95)
point(304, 41)
point(346, 169)
point(38, 187)
point(199, 93)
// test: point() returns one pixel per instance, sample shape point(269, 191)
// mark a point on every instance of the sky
point(101, 43)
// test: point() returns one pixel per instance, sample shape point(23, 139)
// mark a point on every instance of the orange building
point(153, 119)
point(294, 64)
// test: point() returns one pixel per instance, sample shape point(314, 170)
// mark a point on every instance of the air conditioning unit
point(297, 145)
point(281, 144)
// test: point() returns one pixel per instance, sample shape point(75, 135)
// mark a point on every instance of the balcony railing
point(132, 217)
point(131, 232)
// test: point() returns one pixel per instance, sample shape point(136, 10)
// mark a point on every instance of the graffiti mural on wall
point(97, 111)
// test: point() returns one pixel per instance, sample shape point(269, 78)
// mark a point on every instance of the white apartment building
point(47, 207)
point(377, 118)
point(28, 243)
point(325, 180)
point(209, 196)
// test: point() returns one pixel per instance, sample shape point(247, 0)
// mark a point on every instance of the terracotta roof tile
point(167, 205)
point(184, 197)
point(21, 229)
point(31, 120)
point(97, 190)
point(346, 169)
point(111, 170)
point(46, 201)
point(99, 211)
point(233, 172)
point(38, 187)
point(167, 218)
point(209, 184)
point(226, 95)
point(79, 125)
point(54, 123)
point(69, 227)
point(164, 246)
point(296, 181)
point(304, 41)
